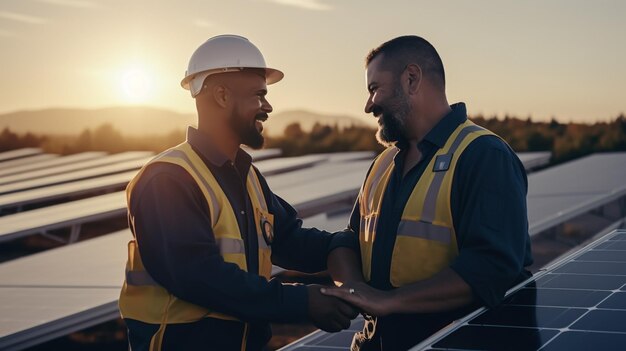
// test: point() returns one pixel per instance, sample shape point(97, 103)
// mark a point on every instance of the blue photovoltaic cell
point(613, 245)
point(581, 281)
point(617, 301)
point(494, 338)
point(530, 316)
point(604, 256)
point(603, 268)
point(585, 341)
point(578, 304)
point(557, 297)
point(602, 320)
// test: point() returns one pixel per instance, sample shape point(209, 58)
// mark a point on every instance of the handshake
point(329, 313)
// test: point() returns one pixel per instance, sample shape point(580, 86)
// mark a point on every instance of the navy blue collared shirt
point(169, 217)
point(488, 203)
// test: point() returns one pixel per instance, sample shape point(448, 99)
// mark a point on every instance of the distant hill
point(69, 121)
point(143, 120)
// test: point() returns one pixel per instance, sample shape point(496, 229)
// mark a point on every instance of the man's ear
point(414, 77)
point(221, 94)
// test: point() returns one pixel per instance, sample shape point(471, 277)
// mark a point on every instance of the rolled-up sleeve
point(172, 225)
point(490, 219)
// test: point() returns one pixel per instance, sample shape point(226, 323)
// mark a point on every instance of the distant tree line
point(565, 140)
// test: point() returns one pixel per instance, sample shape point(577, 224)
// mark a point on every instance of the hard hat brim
point(194, 82)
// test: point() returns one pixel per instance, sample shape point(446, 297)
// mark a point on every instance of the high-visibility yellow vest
point(145, 300)
point(425, 241)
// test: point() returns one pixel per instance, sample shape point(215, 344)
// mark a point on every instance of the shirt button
point(243, 212)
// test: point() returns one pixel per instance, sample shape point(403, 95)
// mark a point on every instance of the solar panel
point(75, 175)
point(578, 303)
point(13, 154)
point(329, 222)
point(87, 164)
point(320, 170)
point(263, 154)
point(60, 191)
point(59, 216)
point(287, 164)
point(83, 156)
point(560, 193)
point(8, 165)
point(532, 160)
point(349, 156)
point(317, 195)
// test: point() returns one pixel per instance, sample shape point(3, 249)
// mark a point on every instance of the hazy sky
point(543, 58)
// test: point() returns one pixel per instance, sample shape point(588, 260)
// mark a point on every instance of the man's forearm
point(344, 266)
point(444, 291)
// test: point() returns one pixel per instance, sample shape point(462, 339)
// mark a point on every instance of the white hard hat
point(225, 53)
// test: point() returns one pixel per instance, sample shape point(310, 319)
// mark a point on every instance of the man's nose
point(369, 105)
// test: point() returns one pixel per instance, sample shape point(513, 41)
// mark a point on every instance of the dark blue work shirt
point(171, 220)
point(488, 204)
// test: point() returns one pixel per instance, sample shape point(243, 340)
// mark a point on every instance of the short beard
point(246, 131)
point(392, 121)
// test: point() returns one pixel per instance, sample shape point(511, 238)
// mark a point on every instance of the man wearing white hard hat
point(207, 228)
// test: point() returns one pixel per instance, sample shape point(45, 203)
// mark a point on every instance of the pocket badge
point(267, 230)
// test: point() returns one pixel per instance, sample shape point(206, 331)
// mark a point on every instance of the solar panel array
point(54, 293)
point(579, 303)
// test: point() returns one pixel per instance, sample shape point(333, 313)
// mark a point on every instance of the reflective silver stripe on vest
point(212, 197)
point(430, 202)
point(429, 231)
point(384, 165)
point(230, 246)
point(139, 278)
point(252, 178)
point(258, 192)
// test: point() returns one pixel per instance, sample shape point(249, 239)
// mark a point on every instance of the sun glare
point(135, 85)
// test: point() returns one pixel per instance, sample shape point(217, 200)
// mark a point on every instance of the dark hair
point(399, 52)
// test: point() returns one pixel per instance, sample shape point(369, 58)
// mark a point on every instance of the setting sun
point(135, 85)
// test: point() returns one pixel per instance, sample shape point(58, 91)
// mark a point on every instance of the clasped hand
point(329, 313)
point(362, 296)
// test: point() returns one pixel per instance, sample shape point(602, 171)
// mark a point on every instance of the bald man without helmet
point(207, 228)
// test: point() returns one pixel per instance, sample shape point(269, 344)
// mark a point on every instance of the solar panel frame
point(63, 215)
point(58, 161)
point(84, 165)
point(288, 164)
point(60, 178)
point(263, 154)
point(64, 190)
point(18, 153)
point(34, 159)
point(532, 160)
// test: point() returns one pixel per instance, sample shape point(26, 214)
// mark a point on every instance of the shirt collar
point(440, 133)
point(206, 148)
